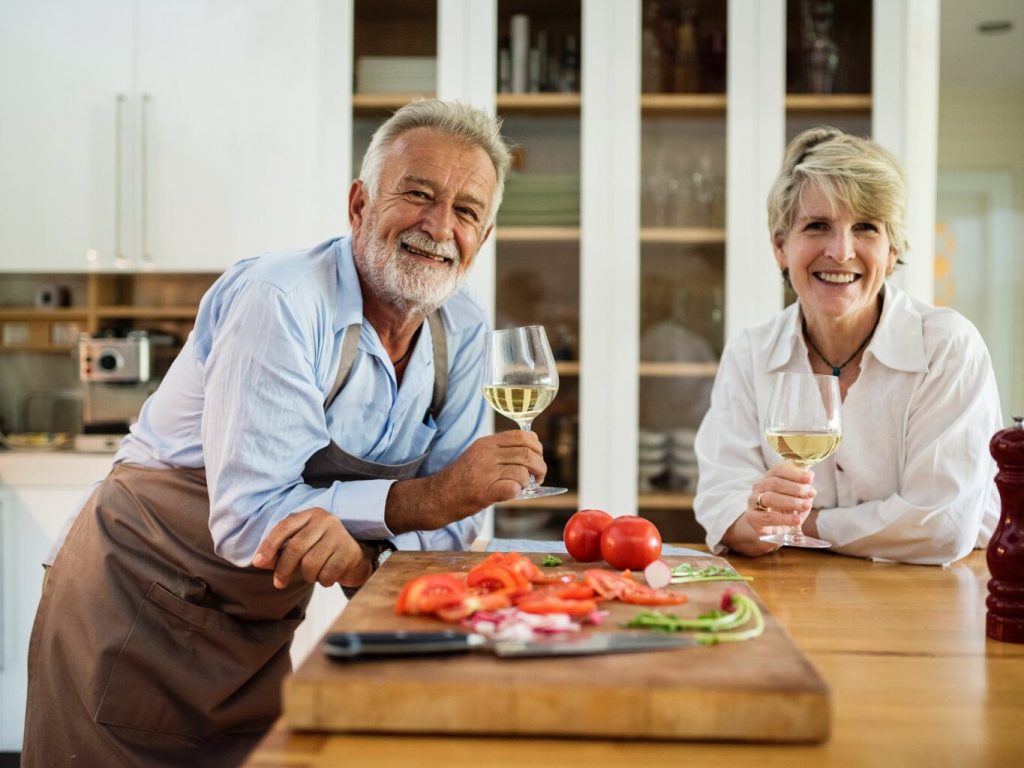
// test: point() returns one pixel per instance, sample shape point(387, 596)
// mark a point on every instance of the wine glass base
point(789, 540)
point(540, 491)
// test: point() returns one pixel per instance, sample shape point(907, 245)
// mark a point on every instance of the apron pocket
point(194, 672)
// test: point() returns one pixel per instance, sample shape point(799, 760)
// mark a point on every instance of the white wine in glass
point(804, 427)
point(520, 381)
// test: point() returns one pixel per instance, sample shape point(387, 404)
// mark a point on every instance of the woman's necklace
point(837, 369)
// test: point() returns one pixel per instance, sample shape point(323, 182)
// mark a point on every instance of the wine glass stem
point(532, 487)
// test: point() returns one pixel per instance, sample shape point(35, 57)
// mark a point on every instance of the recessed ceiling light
point(995, 26)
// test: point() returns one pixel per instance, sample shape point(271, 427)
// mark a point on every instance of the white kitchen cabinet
point(160, 135)
point(65, 72)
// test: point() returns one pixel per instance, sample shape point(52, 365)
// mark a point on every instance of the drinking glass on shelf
point(520, 381)
point(803, 426)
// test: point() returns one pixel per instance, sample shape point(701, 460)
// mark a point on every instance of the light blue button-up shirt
point(245, 399)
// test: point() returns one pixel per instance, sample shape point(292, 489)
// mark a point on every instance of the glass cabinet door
point(537, 280)
point(682, 254)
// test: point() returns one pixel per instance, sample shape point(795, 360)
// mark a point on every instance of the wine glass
point(804, 427)
point(520, 381)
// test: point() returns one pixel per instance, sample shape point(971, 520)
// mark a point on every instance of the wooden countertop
point(914, 682)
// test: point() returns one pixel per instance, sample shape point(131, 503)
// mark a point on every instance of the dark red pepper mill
point(1005, 620)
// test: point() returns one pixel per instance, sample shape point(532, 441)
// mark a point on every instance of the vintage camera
point(115, 360)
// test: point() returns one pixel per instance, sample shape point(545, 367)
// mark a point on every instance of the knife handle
point(349, 645)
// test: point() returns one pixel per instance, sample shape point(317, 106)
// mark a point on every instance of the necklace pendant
point(835, 371)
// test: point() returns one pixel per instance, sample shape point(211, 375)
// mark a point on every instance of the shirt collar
point(898, 342)
point(349, 307)
point(788, 343)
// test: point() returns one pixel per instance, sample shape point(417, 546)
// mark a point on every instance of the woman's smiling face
point(837, 259)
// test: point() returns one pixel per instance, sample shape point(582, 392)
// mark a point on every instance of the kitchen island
point(914, 681)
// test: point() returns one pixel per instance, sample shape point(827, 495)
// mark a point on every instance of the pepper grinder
point(1005, 619)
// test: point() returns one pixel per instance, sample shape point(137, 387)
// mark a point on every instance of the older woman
point(912, 477)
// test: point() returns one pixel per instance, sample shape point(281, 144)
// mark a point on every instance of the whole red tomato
point(630, 542)
point(582, 534)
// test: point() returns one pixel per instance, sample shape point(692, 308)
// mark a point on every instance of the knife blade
point(352, 645)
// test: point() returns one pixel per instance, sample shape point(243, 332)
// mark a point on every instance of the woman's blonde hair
point(850, 171)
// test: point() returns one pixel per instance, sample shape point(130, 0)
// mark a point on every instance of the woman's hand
point(316, 544)
point(782, 497)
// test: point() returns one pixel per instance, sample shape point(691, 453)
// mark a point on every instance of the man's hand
point(493, 469)
point(315, 543)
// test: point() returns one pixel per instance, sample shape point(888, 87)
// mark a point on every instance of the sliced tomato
point(641, 594)
point(473, 602)
point(553, 577)
point(495, 577)
point(607, 584)
point(425, 594)
point(575, 590)
point(519, 563)
point(534, 602)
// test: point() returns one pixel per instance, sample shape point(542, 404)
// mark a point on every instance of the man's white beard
point(402, 281)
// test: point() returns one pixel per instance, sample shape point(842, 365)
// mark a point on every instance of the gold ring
point(757, 503)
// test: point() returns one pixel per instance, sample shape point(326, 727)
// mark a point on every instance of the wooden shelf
point(520, 234)
point(665, 501)
point(684, 235)
point(682, 103)
point(381, 102)
point(538, 102)
point(830, 102)
point(681, 370)
point(147, 313)
point(31, 313)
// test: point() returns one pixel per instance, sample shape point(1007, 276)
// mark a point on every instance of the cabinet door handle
point(120, 261)
point(147, 257)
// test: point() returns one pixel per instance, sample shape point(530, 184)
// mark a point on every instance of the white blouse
point(912, 479)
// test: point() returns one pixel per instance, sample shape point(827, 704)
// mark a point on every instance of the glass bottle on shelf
point(651, 49)
point(821, 54)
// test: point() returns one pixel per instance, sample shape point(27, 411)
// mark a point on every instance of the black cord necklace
point(837, 369)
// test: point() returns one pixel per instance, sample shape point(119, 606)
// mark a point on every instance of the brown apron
point(148, 649)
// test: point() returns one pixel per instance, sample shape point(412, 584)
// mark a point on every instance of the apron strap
point(348, 357)
point(440, 340)
point(350, 343)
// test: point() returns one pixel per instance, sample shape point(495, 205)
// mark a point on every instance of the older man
point(325, 407)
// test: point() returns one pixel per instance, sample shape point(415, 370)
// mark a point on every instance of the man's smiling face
point(415, 241)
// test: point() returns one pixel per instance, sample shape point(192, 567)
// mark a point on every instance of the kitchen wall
point(981, 130)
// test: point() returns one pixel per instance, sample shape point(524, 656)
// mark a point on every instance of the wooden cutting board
point(759, 690)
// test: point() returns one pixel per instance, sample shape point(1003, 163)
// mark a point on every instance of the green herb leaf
point(551, 561)
point(713, 627)
point(685, 573)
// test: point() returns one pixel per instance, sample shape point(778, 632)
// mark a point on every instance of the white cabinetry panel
point(64, 65)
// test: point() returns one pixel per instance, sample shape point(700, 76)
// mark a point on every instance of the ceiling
point(968, 59)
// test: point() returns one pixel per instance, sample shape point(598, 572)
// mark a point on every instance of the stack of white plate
point(652, 458)
point(541, 199)
point(396, 74)
point(682, 460)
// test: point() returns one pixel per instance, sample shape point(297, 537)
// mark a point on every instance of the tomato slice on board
point(495, 577)
point(473, 602)
point(425, 594)
point(534, 602)
point(607, 584)
point(641, 594)
point(575, 590)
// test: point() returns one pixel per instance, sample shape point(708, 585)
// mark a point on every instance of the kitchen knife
point(350, 645)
